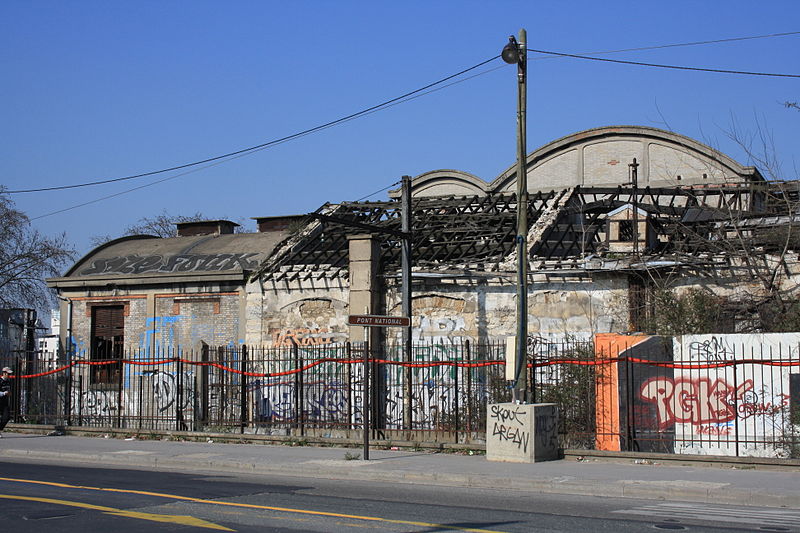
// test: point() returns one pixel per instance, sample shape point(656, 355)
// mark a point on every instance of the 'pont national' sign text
point(379, 321)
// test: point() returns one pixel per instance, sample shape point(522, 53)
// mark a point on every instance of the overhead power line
point(696, 43)
point(287, 139)
point(378, 192)
point(262, 145)
point(675, 67)
point(403, 98)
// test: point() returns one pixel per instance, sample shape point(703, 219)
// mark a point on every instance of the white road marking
point(783, 518)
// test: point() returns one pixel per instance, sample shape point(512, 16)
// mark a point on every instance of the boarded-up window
point(108, 336)
point(640, 303)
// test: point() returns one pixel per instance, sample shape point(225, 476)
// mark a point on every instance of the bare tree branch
point(162, 225)
point(26, 258)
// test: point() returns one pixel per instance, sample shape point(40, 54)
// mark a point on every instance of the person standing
point(5, 397)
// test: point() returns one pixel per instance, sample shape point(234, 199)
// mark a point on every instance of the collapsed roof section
point(568, 228)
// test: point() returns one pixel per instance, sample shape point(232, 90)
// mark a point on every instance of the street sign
point(379, 321)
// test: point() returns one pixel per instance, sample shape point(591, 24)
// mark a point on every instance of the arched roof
point(148, 258)
point(445, 183)
point(600, 157)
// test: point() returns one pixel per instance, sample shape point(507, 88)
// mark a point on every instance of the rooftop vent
point(205, 227)
point(278, 223)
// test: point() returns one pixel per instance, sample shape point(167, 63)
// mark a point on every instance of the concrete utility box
point(521, 433)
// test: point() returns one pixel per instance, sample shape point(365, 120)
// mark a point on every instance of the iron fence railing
point(642, 396)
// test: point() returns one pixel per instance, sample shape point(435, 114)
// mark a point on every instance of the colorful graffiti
point(697, 394)
point(696, 401)
point(302, 337)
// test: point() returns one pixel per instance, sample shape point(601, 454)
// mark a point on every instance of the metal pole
point(634, 167)
point(68, 357)
point(348, 349)
point(179, 425)
point(406, 304)
point(243, 405)
point(301, 393)
point(120, 385)
point(365, 403)
point(520, 389)
point(297, 385)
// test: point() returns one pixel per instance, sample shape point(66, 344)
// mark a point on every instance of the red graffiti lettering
point(302, 337)
point(714, 431)
point(695, 401)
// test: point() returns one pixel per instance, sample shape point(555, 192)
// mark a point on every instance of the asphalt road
point(38, 497)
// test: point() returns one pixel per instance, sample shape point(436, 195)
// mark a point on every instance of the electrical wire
point(265, 144)
point(162, 180)
point(695, 43)
point(428, 89)
point(676, 67)
point(378, 192)
point(414, 96)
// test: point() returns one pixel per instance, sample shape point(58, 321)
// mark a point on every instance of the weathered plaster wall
point(445, 312)
point(304, 314)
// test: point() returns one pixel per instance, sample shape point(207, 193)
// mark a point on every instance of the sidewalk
point(624, 478)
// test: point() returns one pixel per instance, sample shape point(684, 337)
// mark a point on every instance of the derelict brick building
point(597, 244)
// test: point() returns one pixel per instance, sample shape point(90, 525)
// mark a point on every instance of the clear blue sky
point(102, 89)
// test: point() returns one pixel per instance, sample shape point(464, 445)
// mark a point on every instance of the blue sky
point(95, 90)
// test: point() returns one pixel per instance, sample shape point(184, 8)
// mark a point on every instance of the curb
point(719, 461)
point(683, 491)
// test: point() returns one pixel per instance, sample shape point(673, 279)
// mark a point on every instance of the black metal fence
point(633, 397)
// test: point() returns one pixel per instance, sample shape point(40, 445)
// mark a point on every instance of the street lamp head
point(511, 52)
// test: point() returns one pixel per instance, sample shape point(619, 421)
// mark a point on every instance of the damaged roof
point(477, 233)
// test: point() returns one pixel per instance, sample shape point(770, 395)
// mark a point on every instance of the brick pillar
point(364, 257)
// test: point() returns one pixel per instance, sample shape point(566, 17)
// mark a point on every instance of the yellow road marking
point(173, 519)
point(250, 505)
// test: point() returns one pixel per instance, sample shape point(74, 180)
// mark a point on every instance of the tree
point(162, 225)
point(26, 258)
point(733, 249)
point(769, 249)
point(693, 311)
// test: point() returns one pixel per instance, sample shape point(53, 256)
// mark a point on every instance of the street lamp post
point(516, 52)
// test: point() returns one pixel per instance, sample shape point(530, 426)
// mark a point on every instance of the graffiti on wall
point(275, 400)
point(302, 337)
point(95, 405)
point(165, 391)
point(136, 264)
point(508, 425)
point(713, 349)
point(441, 330)
point(332, 399)
point(431, 404)
point(160, 329)
point(546, 424)
point(717, 392)
point(695, 401)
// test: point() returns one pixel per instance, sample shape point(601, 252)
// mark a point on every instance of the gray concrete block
point(522, 433)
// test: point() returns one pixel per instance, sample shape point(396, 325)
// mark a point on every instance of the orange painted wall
point(607, 412)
